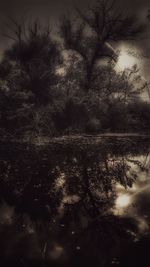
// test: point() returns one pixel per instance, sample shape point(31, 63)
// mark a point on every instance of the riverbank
point(77, 139)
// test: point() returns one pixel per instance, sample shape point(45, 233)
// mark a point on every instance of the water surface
point(81, 203)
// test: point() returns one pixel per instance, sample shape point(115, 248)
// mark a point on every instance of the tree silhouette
point(34, 56)
point(105, 24)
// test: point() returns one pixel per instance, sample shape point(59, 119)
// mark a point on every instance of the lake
point(76, 203)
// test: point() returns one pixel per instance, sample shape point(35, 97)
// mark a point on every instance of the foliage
point(49, 89)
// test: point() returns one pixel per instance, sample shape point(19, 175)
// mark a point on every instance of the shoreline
point(45, 140)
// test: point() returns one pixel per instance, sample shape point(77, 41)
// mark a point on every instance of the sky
point(135, 52)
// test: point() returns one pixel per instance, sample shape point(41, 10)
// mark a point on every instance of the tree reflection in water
point(60, 204)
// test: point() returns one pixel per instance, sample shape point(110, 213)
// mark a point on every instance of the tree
point(94, 33)
point(27, 73)
point(122, 86)
point(33, 55)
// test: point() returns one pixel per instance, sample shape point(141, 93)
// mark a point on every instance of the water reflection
point(74, 204)
point(135, 201)
point(123, 201)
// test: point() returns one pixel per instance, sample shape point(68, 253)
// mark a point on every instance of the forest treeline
point(69, 85)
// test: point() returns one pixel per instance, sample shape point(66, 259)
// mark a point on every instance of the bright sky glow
point(123, 201)
point(126, 60)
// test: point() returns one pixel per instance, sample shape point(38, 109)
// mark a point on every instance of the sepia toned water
point(81, 203)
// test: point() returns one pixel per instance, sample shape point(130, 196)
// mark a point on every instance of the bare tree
point(95, 32)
